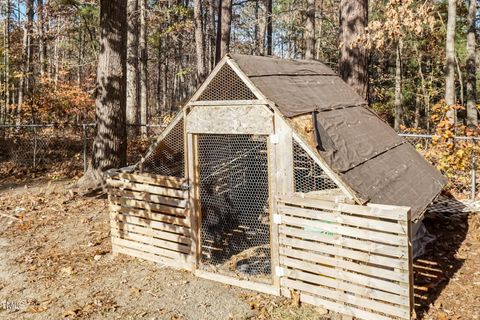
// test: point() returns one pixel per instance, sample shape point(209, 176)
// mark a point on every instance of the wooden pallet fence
point(150, 218)
point(355, 260)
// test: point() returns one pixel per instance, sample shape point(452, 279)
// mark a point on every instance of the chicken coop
point(276, 177)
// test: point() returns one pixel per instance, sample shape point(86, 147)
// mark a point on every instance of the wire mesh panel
point(235, 231)
point(168, 155)
point(307, 173)
point(226, 85)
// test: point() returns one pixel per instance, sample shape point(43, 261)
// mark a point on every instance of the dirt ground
point(55, 263)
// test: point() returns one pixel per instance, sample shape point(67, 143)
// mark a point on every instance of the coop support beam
point(254, 119)
point(255, 286)
point(194, 202)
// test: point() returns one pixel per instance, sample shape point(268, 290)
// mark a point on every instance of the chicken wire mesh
point(234, 199)
point(226, 85)
point(167, 157)
point(308, 176)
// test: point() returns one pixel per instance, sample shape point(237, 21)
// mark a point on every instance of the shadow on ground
point(448, 222)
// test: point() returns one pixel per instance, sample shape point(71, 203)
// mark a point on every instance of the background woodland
point(138, 61)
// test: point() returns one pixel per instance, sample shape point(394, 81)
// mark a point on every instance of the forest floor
point(56, 262)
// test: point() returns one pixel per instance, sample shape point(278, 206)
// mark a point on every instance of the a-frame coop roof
point(366, 154)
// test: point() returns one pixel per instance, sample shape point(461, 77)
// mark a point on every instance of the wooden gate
point(150, 218)
point(355, 260)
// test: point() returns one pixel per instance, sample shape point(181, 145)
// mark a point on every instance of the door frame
point(195, 217)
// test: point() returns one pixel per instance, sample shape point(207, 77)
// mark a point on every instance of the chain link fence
point(43, 147)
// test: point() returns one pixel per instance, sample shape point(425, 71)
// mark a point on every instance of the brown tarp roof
point(298, 87)
point(366, 152)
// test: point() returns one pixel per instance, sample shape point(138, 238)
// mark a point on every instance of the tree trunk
point(132, 63)
point(269, 27)
point(226, 27)
point(310, 31)
point(398, 87)
point(218, 38)
point(143, 65)
point(211, 35)
point(56, 57)
point(24, 84)
point(418, 100)
point(199, 40)
point(450, 60)
point(110, 144)
point(6, 61)
point(425, 93)
point(41, 36)
point(261, 27)
point(472, 113)
point(318, 43)
point(353, 64)
point(81, 53)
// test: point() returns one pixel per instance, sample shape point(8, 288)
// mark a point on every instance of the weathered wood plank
point(152, 257)
point(346, 286)
point(371, 247)
point(373, 224)
point(259, 287)
point(343, 264)
point(392, 213)
point(384, 285)
point(148, 231)
point(250, 119)
point(367, 257)
point(156, 180)
point(148, 188)
point(325, 227)
point(150, 207)
point(177, 247)
point(389, 309)
point(173, 220)
point(149, 248)
point(153, 224)
point(336, 307)
point(145, 196)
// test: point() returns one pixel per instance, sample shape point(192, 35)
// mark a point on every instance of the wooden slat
point(151, 241)
point(367, 257)
point(123, 227)
point(372, 247)
point(154, 216)
point(373, 224)
point(347, 276)
point(400, 213)
point(153, 224)
point(347, 231)
point(157, 180)
point(152, 257)
point(151, 207)
point(337, 307)
point(149, 248)
point(145, 196)
point(396, 311)
point(148, 188)
point(345, 264)
point(346, 286)
point(260, 287)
